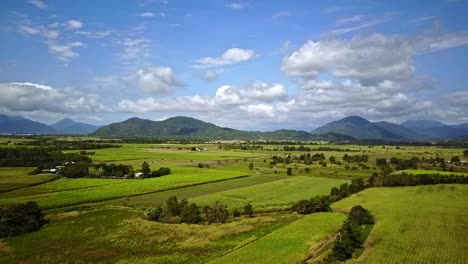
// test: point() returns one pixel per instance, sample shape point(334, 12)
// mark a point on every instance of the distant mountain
point(427, 129)
point(187, 127)
point(357, 127)
point(410, 130)
point(399, 130)
point(422, 124)
point(68, 126)
point(20, 125)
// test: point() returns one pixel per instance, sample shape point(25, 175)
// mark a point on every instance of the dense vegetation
point(18, 219)
point(352, 234)
point(40, 157)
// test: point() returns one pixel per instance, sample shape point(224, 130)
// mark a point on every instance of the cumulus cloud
point(38, 3)
point(369, 59)
point(73, 24)
point(158, 80)
point(262, 91)
point(229, 57)
point(29, 97)
point(225, 97)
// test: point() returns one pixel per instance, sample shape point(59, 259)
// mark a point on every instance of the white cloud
point(73, 24)
point(210, 76)
point(229, 57)
point(64, 52)
point(38, 3)
point(146, 14)
point(29, 97)
point(151, 14)
point(238, 5)
point(459, 97)
point(259, 110)
point(135, 49)
point(265, 92)
point(358, 27)
point(38, 30)
point(347, 20)
point(97, 34)
point(158, 80)
point(369, 59)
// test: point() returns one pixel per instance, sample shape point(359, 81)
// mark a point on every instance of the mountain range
point(347, 129)
point(21, 125)
point(361, 128)
point(187, 127)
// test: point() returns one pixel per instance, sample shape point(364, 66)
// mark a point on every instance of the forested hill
point(187, 127)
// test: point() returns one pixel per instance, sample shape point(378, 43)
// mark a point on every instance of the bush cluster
point(19, 219)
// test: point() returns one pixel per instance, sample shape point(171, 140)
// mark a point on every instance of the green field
point(422, 224)
point(96, 190)
point(17, 178)
point(276, 195)
point(113, 235)
point(290, 244)
point(432, 172)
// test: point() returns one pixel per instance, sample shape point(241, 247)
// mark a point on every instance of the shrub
point(216, 213)
point(19, 219)
point(248, 210)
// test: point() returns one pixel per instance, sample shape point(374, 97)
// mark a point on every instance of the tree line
point(176, 212)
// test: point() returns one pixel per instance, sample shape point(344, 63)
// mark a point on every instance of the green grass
point(17, 178)
point(431, 172)
point(159, 198)
point(121, 236)
point(422, 224)
point(290, 244)
point(281, 194)
point(89, 192)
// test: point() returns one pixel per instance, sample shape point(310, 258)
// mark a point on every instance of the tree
point(236, 213)
point(361, 216)
point(75, 171)
point(455, 159)
point(332, 159)
point(251, 166)
point(289, 171)
point(172, 206)
point(248, 210)
point(216, 213)
point(20, 218)
point(381, 162)
point(145, 168)
point(155, 214)
point(465, 153)
point(190, 214)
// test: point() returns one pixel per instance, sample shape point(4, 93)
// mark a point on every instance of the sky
point(253, 65)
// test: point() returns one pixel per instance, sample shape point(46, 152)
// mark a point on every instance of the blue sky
point(256, 65)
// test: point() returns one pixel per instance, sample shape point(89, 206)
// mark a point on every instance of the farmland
point(290, 244)
point(414, 223)
point(105, 217)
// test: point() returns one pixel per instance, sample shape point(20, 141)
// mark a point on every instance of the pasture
point(290, 244)
point(421, 224)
